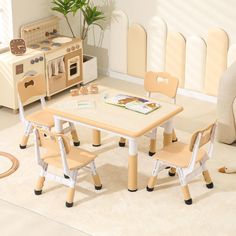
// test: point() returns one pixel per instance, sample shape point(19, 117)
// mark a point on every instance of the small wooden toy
point(83, 90)
point(93, 89)
point(74, 92)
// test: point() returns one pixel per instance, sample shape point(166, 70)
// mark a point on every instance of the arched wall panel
point(156, 44)
point(175, 56)
point(216, 60)
point(137, 51)
point(195, 63)
point(118, 42)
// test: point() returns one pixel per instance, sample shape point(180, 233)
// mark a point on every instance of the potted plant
point(91, 15)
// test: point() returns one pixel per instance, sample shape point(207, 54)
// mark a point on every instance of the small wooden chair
point(165, 84)
point(34, 86)
point(59, 153)
point(189, 160)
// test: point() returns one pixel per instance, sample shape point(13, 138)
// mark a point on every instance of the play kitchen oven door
point(73, 66)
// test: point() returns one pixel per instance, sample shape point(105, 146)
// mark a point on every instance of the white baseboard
point(197, 95)
point(184, 92)
point(125, 77)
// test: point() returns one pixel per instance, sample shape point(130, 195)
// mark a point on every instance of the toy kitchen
point(56, 57)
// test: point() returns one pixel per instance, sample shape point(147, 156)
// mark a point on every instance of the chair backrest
point(198, 139)
point(58, 144)
point(161, 82)
point(31, 86)
point(49, 140)
point(206, 135)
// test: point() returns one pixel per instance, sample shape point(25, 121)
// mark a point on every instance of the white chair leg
point(186, 193)
point(71, 190)
point(206, 175)
point(207, 178)
point(39, 185)
point(25, 138)
point(184, 186)
point(153, 179)
point(70, 197)
point(95, 176)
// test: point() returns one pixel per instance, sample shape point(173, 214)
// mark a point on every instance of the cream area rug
point(115, 211)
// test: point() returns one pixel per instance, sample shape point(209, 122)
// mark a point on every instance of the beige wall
point(190, 17)
point(25, 11)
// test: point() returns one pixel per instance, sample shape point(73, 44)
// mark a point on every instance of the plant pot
point(90, 71)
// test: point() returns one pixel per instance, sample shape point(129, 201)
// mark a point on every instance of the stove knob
point(32, 62)
point(77, 46)
point(73, 48)
point(68, 49)
point(41, 58)
point(36, 60)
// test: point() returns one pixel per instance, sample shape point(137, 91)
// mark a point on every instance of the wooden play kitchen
point(63, 55)
point(43, 52)
point(101, 116)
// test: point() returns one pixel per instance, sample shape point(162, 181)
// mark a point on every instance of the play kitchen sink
point(62, 40)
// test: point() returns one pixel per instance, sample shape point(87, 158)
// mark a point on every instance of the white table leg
point(133, 165)
point(58, 124)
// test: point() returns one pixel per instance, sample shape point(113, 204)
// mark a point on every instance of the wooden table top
point(110, 117)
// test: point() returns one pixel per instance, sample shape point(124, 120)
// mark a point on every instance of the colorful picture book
point(137, 104)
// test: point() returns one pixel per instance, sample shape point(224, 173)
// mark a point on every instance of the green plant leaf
point(78, 5)
point(92, 14)
point(63, 6)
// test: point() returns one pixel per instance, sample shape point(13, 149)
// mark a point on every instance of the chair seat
point(178, 154)
point(42, 118)
point(76, 158)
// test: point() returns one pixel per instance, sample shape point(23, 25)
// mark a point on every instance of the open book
point(141, 105)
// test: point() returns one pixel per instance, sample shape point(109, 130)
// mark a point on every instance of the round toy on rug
point(227, 170)
point(14, 164)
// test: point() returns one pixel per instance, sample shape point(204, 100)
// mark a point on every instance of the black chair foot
point(76, 144)
point(22, 146)
point(69, 204)
point(151, 153)
point(66, 176)
point(121, 144)
point(96, 145)
point(189, 201)
point(149, 189)
point(98, 187)
point(210, 185)
point(37, 192)
point(171, 174)
point(132, 190)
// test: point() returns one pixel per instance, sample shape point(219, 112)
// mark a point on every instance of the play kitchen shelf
point(63, 55)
